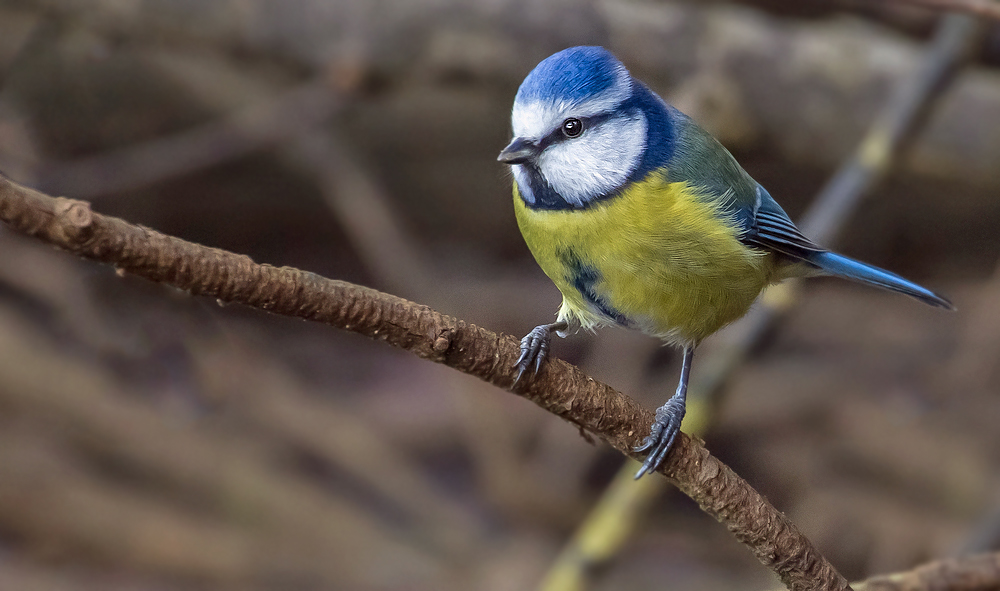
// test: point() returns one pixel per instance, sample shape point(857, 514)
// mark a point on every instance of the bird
point(643, 220)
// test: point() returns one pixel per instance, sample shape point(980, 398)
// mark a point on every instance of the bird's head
point(578, 133)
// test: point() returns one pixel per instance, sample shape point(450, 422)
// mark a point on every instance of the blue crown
point(572, 74)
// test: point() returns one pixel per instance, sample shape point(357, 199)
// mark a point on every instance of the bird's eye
point(572, 127)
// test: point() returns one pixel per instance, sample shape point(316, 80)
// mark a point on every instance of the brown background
point(149, 440)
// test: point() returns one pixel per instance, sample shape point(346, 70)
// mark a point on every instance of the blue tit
point(643, 220)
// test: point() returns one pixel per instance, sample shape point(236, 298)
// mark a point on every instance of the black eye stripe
point(557, 135)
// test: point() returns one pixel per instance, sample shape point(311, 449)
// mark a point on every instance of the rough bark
point(559, 388)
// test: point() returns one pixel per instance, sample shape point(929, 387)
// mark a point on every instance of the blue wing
point(770, 227)
point(774, 230)
point(703, 161)
point(699, 159)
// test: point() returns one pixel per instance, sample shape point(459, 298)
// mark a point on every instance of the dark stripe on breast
point(585, 278)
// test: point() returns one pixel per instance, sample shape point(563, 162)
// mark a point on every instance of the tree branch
point(968, 573)
point(559, 388)
point(980, 572)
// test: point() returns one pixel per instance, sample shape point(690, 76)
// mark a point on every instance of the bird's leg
point(535, 348)
point(668, 422)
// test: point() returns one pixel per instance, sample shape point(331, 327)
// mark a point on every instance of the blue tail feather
point(848, 268)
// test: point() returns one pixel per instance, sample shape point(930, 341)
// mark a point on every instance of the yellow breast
point(659, 258)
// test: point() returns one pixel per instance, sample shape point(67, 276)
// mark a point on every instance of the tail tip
point(942, 302)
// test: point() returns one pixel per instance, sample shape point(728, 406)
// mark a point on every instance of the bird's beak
point(518, 151)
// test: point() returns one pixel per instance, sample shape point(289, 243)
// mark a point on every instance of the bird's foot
point(661, 437)
point(535, 348)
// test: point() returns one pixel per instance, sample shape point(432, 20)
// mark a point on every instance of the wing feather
point(772, 228)
point(704, 163)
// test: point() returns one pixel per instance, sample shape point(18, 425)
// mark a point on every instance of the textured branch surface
point(972, 573)
point(559, 388)
point(980, 572)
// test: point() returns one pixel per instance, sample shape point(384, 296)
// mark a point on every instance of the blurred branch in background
point(559, 388)
point(260, 126)
point(365, 212)
point(981, 8)
point(975, 362)
point(612, 522)
point(396, 187)
point(901, 119)
point(722, 60)
point(277, 526)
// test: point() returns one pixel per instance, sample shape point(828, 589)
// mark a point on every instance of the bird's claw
point(661, 437)
point(534, 350)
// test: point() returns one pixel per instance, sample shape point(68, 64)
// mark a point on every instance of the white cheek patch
point(596, 163)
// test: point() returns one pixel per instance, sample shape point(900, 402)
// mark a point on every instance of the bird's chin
point(523, 184)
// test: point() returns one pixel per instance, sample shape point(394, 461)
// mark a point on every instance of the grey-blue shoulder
point(701, 160)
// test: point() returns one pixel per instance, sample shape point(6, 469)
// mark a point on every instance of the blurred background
point(151, 440)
